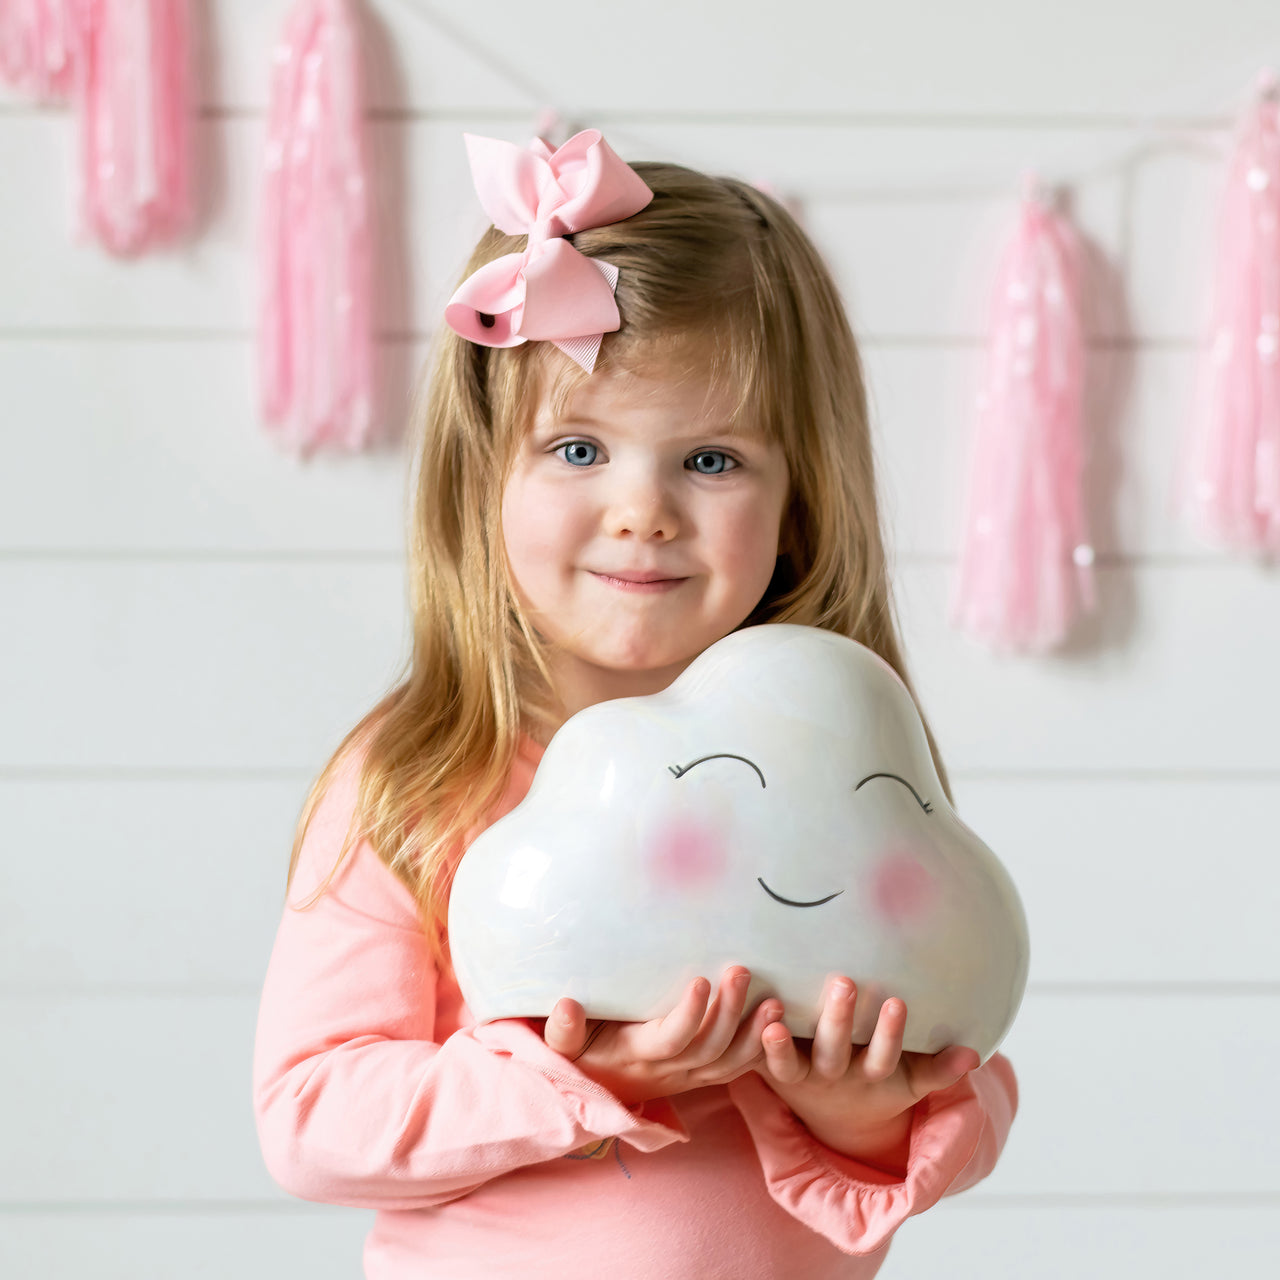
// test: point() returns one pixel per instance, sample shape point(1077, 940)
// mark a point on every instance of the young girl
point(646, 429)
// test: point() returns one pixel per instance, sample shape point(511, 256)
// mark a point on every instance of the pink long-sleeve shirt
point(487, 1154)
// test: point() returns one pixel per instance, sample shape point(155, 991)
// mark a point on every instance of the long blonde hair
point(712, 269)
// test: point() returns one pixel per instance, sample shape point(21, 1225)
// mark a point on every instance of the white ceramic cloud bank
point(776, 807)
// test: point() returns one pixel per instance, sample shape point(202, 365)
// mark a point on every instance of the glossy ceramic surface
point(776, 807)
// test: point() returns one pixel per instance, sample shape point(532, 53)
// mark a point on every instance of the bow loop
point(510, 182)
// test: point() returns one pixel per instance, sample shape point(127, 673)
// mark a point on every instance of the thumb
point(945, 1069)
point(566, 1029)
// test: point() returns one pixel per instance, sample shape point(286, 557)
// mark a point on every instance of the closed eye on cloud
point(924, 804)
point(681, 769)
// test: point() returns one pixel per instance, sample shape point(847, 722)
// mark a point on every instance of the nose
point(641, 506)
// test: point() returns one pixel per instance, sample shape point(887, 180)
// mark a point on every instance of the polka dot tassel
point(316, 343)
point(1231, 474)
point(134, 122)
point(40, 46)
point(1025, 569)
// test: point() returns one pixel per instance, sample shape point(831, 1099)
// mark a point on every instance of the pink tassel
point(134, 122)
point(1231, 477)
point(40, 46)
point(316, 339)
point(1025, 568)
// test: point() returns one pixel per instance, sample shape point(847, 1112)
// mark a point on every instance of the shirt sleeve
point(355, 1101)
point(956, 1136)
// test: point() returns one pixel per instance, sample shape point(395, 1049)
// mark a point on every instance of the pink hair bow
point(550, 292)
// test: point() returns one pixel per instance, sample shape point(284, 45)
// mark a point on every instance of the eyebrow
point(923, 803)
point(681, 770)
point(726, 427)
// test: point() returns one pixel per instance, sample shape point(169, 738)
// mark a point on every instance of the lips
point(637, 575)
point(636, 578)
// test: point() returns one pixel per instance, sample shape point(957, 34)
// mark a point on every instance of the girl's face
point(639, 528)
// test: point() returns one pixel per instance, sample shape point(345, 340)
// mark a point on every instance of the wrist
point(885, 1147)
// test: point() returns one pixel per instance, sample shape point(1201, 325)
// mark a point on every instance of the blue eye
point(578, 453)
point(710, 462)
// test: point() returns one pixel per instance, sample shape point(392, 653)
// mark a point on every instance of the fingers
point(746, 1049)
point(880, 1058)
point(566, 1029)
point(782, 1059)
point(697, 1033)
point(833, 1037)
point(723, 1017)
point(668, 1037)
point(751, 1031)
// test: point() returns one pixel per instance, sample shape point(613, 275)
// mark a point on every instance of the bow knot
point(549, 291)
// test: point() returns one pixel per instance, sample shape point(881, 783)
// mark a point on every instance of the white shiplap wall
point(190, 620)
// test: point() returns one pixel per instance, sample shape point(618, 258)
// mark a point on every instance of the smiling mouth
point(791, 902)
point(638, 582)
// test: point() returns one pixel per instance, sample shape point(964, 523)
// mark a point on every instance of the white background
point(191, 620)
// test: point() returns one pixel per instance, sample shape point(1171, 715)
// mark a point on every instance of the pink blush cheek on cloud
point(901, 889)
point(687, 854)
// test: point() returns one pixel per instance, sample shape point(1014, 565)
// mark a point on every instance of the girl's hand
point(702, 1041)
point(858, 1101)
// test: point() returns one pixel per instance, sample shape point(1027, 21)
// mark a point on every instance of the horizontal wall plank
point(1169, 674)
point(911, 222)
point(841, 59)
point(420, 54)
point(914, 222)
point(1140, 405)
point(143, 445)
point(150, 1099)
point(55, 279)
point(1138, 881)
point(229, 665)
point(193, 665)
point(432, 56)
point(1128, 1095)
point(174, 885)
point(1186, 1242)
point(157, 446)
point(319, 1243)
point(118, 1075)
point(1182, 1242)
point(1124, 881)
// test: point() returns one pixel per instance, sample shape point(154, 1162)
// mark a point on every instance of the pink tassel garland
point(134, 122)
point(1231, 474)
point(316, 342)
point(1025, 567)
point(40, 45)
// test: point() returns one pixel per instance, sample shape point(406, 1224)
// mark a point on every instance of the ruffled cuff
point(648, 1126)
point(855, 1206)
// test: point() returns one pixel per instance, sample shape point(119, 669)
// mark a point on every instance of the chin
point(637, 674)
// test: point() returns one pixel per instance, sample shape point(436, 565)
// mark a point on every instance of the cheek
point(748, 546)
point(534, 529)
point(687, 854)
point(901, 890)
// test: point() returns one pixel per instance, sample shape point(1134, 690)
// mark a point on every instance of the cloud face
point(776, 807)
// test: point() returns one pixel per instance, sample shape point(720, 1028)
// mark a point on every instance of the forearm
point(390, 1124)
